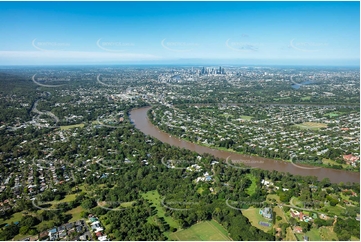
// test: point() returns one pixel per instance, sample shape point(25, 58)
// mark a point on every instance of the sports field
point(205, 231)
point(71, 126)
point(311, 125)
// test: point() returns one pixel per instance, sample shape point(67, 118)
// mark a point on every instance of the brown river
point(140, 120)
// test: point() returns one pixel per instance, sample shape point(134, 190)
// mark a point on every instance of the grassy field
point(296, 202)
point(71, 126)
point(203, 231)
point(299, 236)
point(279, 212)
point(75, 213)
point(337, 210)
point(154, 197)
point(245, 117)
point(305, 98)
point(332, 114)
point(200, 190)
point(253, 186)
point(281, 98)
point(353, 238)
point(66, 199)
point(314, 235)
point(127, 204)
point(326, 233)
point(16, 217)
point(254, 217)
point(290, 236)
point(311, 125)
point(332, 162)
point(320, 234)
point(273, 196)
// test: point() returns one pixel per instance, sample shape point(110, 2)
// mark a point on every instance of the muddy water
point(141, 122)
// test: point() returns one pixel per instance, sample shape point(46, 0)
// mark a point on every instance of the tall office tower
point(220, 70)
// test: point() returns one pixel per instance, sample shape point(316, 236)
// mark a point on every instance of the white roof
point(103, 238)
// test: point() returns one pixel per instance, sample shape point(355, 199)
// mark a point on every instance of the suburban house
point(266, 212)
point(350, 159)
point(53, 234)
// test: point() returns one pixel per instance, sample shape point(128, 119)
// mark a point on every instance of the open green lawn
point(336, 210)
point(290, 236)
point(332, 162)
point(314, 235)
point(16, 217)
point(245, 117)
point(66, 199)
point(305, 98)
point(353, 238)
point(200, 190)
point(250, 190)
point(332, 114)
point(203, 231)
point(279, 212)
point(154, 197)
point(311, 125)
point(320, 234)
point(326, 233)
point(254, 217)
point(297, 202)
point(71, 126)
point(22, 236)
point(127, 204)
point(75, 213)
point(281, 98)
point(273, 196)
point(299, 236)
point(223, 148)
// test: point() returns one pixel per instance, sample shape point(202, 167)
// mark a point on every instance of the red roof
point(350, 157)
point(297, 229)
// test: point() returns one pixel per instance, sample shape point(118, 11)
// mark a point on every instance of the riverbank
point(140, 120)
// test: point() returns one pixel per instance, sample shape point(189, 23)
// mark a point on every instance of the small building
point(83, 237)
point(103, 238)
point(62, 234)
point(79, 229)
point(61, 228)
point(69, 226)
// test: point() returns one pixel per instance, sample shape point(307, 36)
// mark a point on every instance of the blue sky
point(305, 33)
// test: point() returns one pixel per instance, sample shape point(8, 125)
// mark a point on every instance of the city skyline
point(194, 33)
